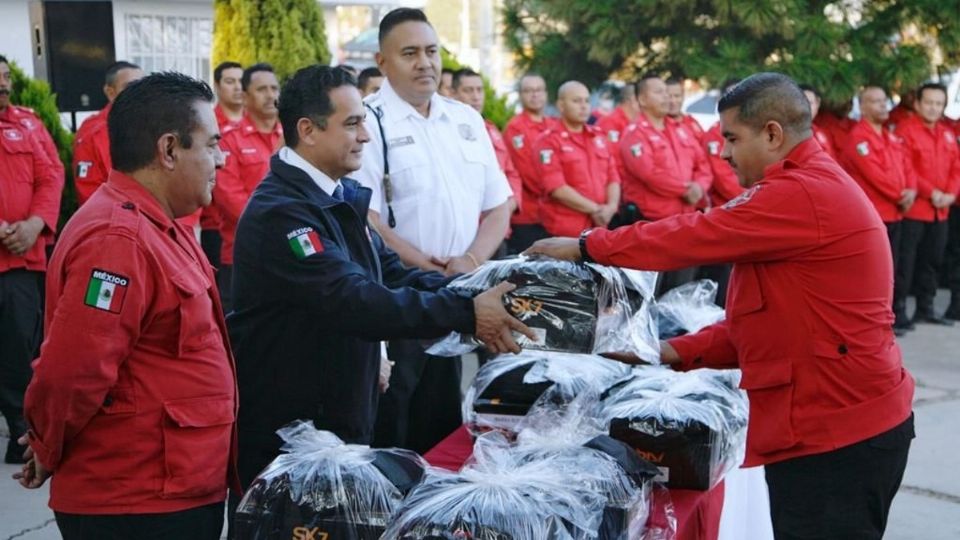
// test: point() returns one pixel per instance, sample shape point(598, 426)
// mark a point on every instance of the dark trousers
point(921, 252)
point(201, 523)
point(211, 242)
point(844, 494)
point(900, 288)
point(422, 405)
point(523, 236)
point(952, 256)
point(21, 323)
point(225, 284)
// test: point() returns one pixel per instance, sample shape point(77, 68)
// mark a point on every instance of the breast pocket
point(197, 324)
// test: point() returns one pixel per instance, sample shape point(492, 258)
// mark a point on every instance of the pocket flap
point(745, 293)
point(766, 373)
point(189, 282)
point(200, 412)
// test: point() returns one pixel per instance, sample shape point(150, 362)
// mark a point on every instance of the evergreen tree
point(837, 46)
point(289, 34)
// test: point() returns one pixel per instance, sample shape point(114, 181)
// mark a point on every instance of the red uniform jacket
point(506, 164)
point(31, 186)
point(836, 128)
point(247, 153)
point(898, 115)
point(520, 134)
point(808, 308)
point(32, 123)
point(582, 161)
point(935, 158)
point(692, 125)
point(825, 142)
point(659, 167)
point(725, 184)
point(210, 216)
point(878, 162)
point(91, 155)
point(133, 398)
point(614, 126)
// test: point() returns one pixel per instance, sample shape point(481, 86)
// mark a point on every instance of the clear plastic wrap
point(577, 308)
point(688, 308)
point(691, 425)
point(326, 487)
point(506, 388)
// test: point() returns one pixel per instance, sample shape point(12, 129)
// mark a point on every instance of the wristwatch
point(584, 255)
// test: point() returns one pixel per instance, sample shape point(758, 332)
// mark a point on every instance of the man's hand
point(494, 324)
point(668, 355)
point(693, 194)
point(33, 474)
point(907, 198)
point(602, 217)
point(20, 236)
point(948, 199)
point(564, 249)
point(936, 199)
point(461, 264)
point(386, 369)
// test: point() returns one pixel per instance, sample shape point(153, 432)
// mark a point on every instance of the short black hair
point(671, 81)
point(460, 74)
point(110, 77)
point(248, 73)
point(350, 69)
point(930, 86)
point(641, 83)
point(3, 60)
point(223, 66)
point(307, 95)
point(366, 75)
point(728, 84)
point(766, 97)
point(150, 107)
point(399, 16)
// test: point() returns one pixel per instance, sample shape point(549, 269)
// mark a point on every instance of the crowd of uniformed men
point(133, 399)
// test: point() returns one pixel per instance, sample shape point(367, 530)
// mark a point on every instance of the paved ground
point(928, 505)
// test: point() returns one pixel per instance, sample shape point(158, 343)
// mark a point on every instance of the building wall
point(15, 41)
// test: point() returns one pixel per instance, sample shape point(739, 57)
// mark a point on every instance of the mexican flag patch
point(863, 148)
point(304, 242)
point(545, 156)
point(636, 150)
point(518, 141)
point(714, 148)
point(614, 135)
point(106, 291)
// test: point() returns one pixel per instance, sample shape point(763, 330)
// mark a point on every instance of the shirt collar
point(800, 154)
point(393, 101)
point(290, 157)
point(131, 191)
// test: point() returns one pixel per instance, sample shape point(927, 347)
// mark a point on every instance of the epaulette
point(125, 218)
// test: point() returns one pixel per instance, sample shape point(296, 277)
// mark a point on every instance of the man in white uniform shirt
point(443, 206)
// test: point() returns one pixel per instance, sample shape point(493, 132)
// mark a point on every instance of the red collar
point(800, 154)
point(129, 190)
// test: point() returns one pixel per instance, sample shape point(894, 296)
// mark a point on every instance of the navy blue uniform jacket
point(315, 291)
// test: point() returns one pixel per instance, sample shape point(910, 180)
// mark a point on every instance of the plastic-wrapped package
point(496, 497)
point(507, 387)
point(688, 308)
point(323, 487)
point(577, 308)
point(691, 425)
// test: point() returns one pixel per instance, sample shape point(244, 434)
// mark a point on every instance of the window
point(169, 43)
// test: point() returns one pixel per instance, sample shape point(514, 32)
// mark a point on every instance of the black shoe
point(904, 324)
point(928, 317)
point(952, 313)
point(900, 332)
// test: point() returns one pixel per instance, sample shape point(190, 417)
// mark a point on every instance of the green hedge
point(494, 107)
point(36, 94)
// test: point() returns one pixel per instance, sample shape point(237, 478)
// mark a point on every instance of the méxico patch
point(106, 291)
point(304, 242)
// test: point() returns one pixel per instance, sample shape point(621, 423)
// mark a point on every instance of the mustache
point(4, 91)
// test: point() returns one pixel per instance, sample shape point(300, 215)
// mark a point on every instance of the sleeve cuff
point(41, 452)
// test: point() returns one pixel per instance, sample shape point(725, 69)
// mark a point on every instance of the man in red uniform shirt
point(933, 152)
point(581, 186)
point(952, 254)
point(29, 207)
point(91, 147)
point(247, 148)
point(468, 88)
point(27, 119)
point(615, 124)
point(675, 95)
point(834, 120)
point(725, 185)
point(133, 401)
point(813, 97)
point(830, 401)
point(905, 109)
point(521, 132)
point(877, 160)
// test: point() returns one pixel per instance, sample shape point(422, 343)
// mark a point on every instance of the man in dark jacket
point(316, 289)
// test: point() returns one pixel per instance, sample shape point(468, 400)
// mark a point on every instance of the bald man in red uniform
point(830, 400)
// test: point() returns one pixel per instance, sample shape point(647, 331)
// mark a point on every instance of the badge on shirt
point(742, 198)
point(400, 141)
point(863, 148)
point(248, 150)
point(946, 135)
point(106, 291)
point(304, 242)
point(83, 167)
point(518, 141)
point(466, 131)
point(27, 123)
point(599, 142)
point(545, 156)
point(713, 147)
point(614, 135)
point(13, 134)
point(636, 150)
